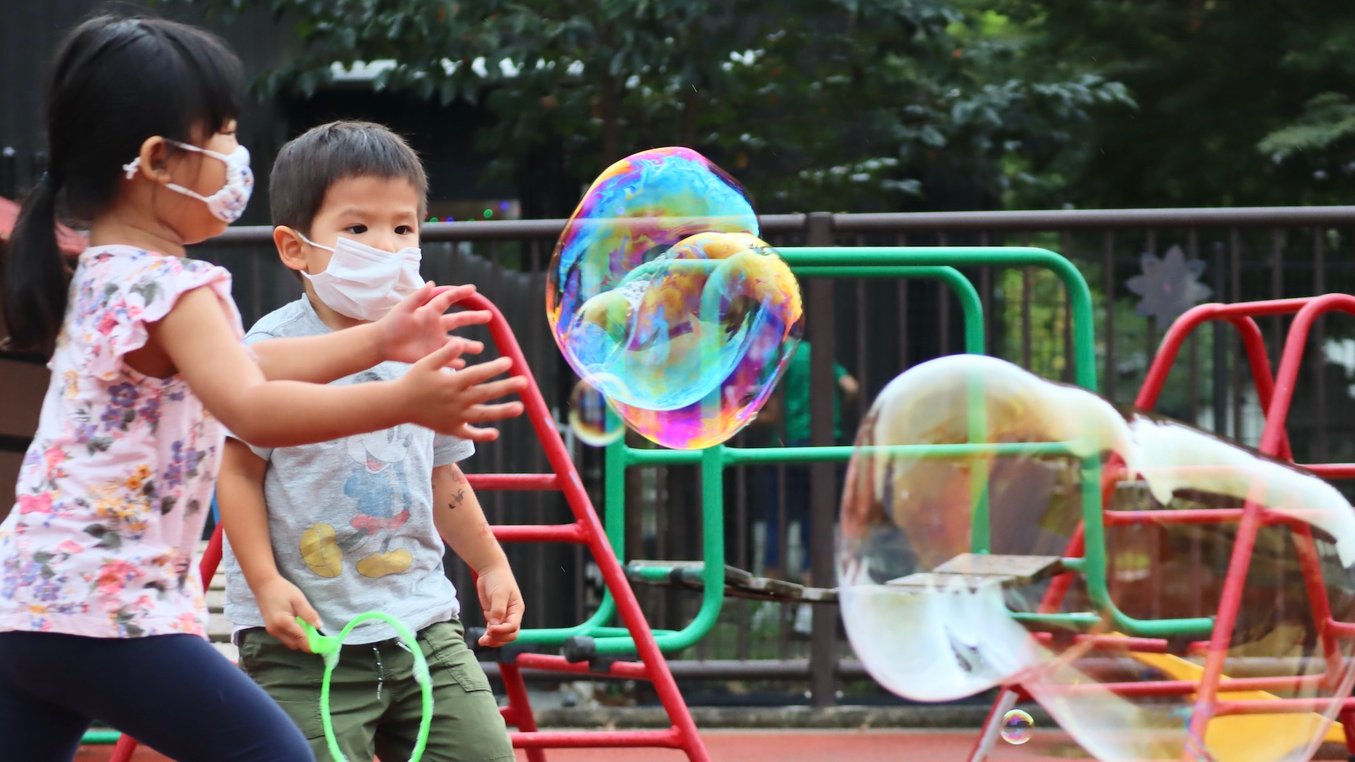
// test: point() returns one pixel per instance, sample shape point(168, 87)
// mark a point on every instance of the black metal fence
point(877, 329)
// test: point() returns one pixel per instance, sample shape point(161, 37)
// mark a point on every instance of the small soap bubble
point(1016, 726)
point(589, 419)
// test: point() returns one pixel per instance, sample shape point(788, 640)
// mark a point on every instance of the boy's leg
point(467, 726)
point(174, 693)
point(293, 678)
point(798, 512)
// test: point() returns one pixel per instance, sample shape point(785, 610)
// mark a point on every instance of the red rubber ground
point(806, 746)
point(782, 746)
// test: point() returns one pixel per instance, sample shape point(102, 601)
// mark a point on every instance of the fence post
point(1221, 337)
point(822, 478)
point(9, 173)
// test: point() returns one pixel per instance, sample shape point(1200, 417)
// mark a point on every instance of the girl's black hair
point(116, 81)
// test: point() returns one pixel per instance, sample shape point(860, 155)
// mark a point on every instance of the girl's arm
point(198, 340)
point(461, 522)
point(244, 516)
point(409, 331)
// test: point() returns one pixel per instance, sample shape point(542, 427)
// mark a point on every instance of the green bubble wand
point(328, 647)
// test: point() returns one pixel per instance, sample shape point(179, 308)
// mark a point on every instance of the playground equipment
point(1214, 692)
point(968, 469)
point(710, 574)
point(716, 580)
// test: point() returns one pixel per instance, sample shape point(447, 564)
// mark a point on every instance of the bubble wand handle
point(327, 646)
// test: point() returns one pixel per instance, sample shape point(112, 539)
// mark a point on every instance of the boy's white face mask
point(364, 282)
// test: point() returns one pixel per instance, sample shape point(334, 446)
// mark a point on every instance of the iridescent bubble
point(588, 417)
point(965, 562)
point(662, 296)
point(1016, 726)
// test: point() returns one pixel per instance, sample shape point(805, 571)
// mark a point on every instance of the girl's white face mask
point(230, 200)
point(364, 282)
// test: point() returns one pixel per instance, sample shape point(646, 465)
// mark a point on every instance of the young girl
point(101, 609)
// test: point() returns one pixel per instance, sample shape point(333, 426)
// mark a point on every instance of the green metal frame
point(619, 457)
point(870, 262)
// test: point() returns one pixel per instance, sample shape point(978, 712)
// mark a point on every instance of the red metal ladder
point(587, 530)
point(1275, 394)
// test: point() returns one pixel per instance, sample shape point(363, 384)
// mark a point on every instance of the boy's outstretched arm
point(244, 516)
point(461, 522)
point(412, 329)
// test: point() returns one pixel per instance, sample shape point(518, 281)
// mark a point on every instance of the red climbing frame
point(586, 529)
point(1275, 392)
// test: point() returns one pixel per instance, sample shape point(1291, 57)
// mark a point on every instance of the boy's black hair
point(115, 82)
point(309, 164)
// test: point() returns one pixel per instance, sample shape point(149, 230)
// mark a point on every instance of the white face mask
point(364, 282)
point(229, 201)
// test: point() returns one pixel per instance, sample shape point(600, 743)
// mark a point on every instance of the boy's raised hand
point(453, 402)
point(418, 325)
point(280, 603)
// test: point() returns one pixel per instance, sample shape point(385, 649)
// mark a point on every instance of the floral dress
point(116, 486)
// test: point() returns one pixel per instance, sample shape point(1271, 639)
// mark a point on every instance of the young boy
point(328, 531)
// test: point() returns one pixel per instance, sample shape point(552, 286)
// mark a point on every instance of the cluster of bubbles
point(968, 488)
point(665, 302)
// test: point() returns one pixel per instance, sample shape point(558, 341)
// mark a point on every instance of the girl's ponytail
point(35, 275)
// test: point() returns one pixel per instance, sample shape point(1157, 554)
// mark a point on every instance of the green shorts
point(375, 704)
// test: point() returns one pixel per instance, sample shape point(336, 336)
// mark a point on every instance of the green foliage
point(1231, 95)
point(814, 104)
point(1324, 134)
point(880, 104)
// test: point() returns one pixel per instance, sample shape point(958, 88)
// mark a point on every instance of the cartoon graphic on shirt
point(378, 485)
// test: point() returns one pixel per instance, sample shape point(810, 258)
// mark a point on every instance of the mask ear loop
point(221, 157)
point(187, 191)
point(309, 242)
point(131, 167)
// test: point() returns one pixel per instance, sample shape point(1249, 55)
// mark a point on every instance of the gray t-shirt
point(351, 520)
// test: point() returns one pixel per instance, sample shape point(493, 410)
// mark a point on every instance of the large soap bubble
point(965, 562)
point(663, 298)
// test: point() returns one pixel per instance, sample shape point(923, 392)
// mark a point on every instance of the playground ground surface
point(948, 745)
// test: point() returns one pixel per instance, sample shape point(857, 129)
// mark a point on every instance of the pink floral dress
point(116, 486)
